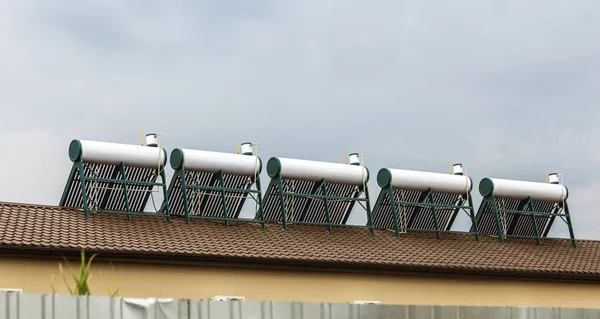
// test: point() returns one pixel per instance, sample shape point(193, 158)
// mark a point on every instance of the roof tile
point(54, 227)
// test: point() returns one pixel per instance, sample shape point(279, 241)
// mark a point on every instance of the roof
point(34, 230)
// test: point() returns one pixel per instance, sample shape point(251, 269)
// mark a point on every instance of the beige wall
point(202, 282)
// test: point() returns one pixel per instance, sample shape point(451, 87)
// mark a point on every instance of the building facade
point(203, 259)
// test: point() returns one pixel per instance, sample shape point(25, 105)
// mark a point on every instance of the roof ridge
point(35, 205)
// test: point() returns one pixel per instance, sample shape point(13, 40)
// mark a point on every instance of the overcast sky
point(509, 87)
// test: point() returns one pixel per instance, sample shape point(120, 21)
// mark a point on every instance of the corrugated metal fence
point(34, 306)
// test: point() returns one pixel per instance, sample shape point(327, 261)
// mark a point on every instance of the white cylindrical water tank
point(457, 169)
point(521, 190)
point(151, 140)
point(316, 171)
point(246, 148)
point(213, 162)
point(354, 159)
point(114, 154)
point(422, 181)
point(553, 178)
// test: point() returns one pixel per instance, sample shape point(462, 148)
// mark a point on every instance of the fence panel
point(46, 306)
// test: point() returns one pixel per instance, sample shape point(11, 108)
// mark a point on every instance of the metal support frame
point(224, 192)
point(79, 169)
point(528, 210)
point(427, 200)
point(277, 182)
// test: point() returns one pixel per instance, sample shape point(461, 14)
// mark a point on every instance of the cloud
point(509, 88)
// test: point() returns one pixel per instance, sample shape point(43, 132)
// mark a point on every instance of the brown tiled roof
point(46, 228)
